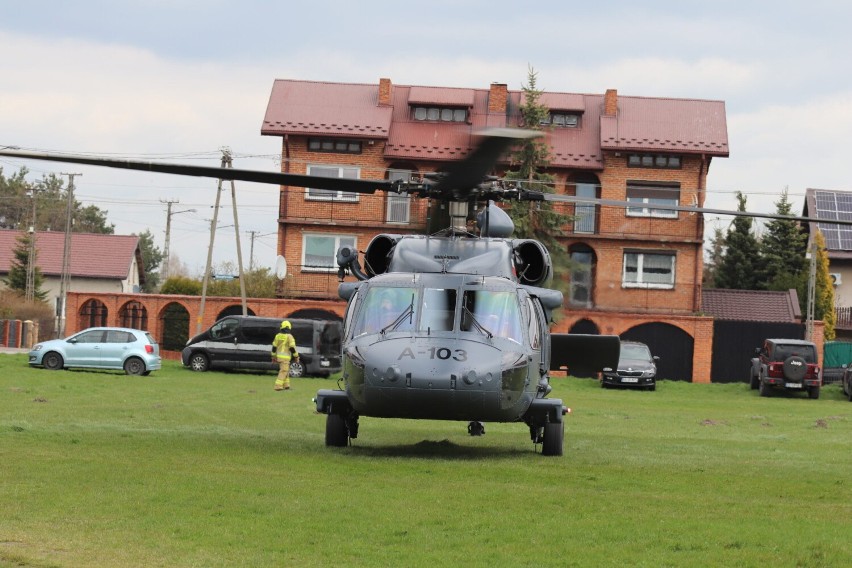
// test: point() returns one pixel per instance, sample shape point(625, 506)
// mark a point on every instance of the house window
point(332, 172)
point(439, 113)
point(582, 276)
point(563, 119)
point(319, 252)
point(585, 214)
point(664, 161)
point(334, 146)
point(647, 194)
point(399, 205)
point(648, 270)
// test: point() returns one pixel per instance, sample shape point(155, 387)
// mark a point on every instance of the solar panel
point(835, 205)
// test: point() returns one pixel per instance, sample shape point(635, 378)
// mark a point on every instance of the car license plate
point(325, 363)
point(629, 380)
point(793, 385)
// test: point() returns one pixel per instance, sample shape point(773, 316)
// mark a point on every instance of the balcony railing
point(844, 318)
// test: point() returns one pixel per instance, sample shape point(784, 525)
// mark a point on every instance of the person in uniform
point(283, 349)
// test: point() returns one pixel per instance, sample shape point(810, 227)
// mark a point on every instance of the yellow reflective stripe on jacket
point(282, 344)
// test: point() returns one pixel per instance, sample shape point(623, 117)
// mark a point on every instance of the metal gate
point(671, 344)
point(734, 343)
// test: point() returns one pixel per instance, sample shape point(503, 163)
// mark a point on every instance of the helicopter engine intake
point(532, 262)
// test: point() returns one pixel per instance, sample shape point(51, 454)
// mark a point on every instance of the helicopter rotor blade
point(558, 198)
point(466, 174)
point(236, 174)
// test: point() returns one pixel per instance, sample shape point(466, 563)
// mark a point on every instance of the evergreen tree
point(716, 251)
point(152, 256)
point(740, 266)
point(18, 267)
point(782, 251)
point(824, 294)
point(537, 220)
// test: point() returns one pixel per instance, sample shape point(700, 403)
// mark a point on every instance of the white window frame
point(326, 195)
point(645, 205)
point(351, 240)
point(640, 262)
point(398, 205)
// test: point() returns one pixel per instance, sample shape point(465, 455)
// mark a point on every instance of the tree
point(716, 252)
point(824, 293)
point(537, 220)
point(152, 256)
point(16, 206)
point(19, 266)
point(782, 251)
point(182, 286)
point(740, 266)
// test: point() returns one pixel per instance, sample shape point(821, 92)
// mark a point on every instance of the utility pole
point(227, 162)
point(809, 318)
point(169, 213)
point(65, 282)
point(251, 249)
point(29, 290)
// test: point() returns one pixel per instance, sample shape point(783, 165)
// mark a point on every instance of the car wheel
point(849, 394)
point(755, 382)
point(199, 362)
point(52, 361)
point(813, 393)
point(134, 366)
point(297, 369)
point(765, 389)
point(336, 432)
point(554, 434)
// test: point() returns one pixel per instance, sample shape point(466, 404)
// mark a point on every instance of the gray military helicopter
point(448, 326)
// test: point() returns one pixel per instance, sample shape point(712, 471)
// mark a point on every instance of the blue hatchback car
point(133, 350)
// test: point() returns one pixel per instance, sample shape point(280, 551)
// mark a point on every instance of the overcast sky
point(183, 78)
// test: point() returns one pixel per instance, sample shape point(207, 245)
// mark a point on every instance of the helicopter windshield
point(497, 313)
point(439, 309)
point(383, 306)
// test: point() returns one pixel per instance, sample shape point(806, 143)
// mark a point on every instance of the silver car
point(133, 350)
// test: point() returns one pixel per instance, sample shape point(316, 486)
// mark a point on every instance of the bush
point(13, 306)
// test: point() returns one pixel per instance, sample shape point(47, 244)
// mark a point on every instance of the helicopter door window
point(439, 309)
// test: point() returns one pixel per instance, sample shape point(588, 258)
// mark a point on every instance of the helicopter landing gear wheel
point(554, 435)
point(476, 428)
point(336, 431)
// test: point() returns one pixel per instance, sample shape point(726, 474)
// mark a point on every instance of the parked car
point(786, 364)
point(245, 342)
point(846, 382)
point(636, 368)
point(133, 350)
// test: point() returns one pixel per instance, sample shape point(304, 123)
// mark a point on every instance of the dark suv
point(789, 364)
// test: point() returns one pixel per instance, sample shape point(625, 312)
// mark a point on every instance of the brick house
point(639, 269)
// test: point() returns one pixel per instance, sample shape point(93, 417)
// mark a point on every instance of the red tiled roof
point(751, 305)
point(92, 255)
point(441, 96)
point(641, 124)
point(680, 125)
point(305, 107)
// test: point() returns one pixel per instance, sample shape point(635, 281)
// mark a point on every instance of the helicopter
point(447, 326)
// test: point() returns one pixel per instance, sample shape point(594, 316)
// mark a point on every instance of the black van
point(245, 342)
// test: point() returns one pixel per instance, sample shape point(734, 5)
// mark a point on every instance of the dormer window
point(335, 146)
point(660, 161)
point(439, 113)
point(562, 119)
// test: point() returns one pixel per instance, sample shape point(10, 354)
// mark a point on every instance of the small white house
point(97, 262)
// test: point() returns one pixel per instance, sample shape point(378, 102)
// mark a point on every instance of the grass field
point(217, 469)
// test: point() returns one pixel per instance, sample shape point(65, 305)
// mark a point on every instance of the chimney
point(497, 98)
point(385, 90)
point(611, 102)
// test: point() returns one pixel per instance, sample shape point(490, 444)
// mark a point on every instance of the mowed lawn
point(217, 469)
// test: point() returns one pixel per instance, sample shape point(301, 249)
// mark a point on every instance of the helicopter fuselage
point(452, 347)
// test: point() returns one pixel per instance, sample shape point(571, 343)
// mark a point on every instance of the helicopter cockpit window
point(497, 313)
point(535, 327)
point(439, 309)
point(388, 309)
